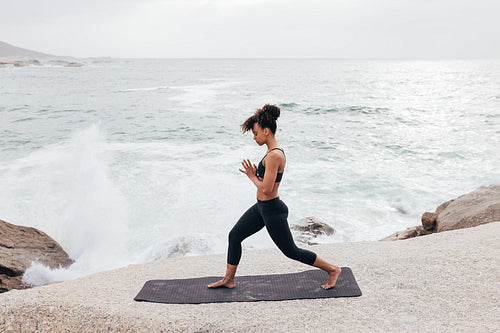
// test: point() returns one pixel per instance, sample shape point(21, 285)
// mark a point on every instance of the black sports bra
point(261, 169)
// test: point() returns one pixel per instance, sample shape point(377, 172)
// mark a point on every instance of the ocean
point(127, 161)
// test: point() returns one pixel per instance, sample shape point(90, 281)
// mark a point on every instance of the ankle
point(331, 268)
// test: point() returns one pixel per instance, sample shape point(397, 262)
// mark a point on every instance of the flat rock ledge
point(469, 210)
point(19, 247)
point(444, 282)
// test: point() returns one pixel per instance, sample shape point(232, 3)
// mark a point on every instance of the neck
point(272, 143)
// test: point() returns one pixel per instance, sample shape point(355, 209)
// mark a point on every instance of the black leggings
point(273, 215)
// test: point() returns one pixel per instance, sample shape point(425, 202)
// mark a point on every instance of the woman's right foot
point(224, 283)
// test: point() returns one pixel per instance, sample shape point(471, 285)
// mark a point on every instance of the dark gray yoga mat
point(276, 287)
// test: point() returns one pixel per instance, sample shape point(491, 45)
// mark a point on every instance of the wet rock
point(309, 228)
point(429, 221)
point(408, 233)
point(19, 247)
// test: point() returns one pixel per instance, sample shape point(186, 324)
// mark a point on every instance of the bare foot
point(332, 277)
point(224, 283)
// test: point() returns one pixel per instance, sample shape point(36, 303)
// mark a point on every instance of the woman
point(269, 211)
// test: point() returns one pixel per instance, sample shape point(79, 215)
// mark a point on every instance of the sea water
point(129, 160)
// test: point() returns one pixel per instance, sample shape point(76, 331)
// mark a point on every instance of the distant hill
point(13, 56)
point(8, 51)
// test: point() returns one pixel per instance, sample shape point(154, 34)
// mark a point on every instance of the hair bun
point(271, 111)
point(265, 117)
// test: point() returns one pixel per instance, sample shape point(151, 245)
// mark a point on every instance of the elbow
point(267, 191)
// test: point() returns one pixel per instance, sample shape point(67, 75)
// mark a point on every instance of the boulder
point(469, 210)
point(307, 229)
point(429, 221)
point(478, 207)
point(19, 247)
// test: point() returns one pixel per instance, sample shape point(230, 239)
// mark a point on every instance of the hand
point(250, 169)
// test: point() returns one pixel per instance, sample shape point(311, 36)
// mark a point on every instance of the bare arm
point(265, 185)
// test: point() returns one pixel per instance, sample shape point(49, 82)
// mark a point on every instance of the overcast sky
point(255, 28)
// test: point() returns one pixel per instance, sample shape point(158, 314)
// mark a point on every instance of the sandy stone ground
point(444, 282)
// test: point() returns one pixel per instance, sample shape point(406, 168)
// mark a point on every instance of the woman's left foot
point(224, 283)
point(332, 278)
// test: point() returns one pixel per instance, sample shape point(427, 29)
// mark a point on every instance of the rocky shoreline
point(469, 210)
point(444, 282)
point(20, 246)
point(424, 284)
point(34, 62)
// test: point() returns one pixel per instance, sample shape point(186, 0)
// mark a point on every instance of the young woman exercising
point(269, 211)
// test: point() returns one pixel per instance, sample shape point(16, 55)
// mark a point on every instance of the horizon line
point(288, 58)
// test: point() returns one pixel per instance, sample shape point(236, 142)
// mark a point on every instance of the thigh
point(276, 221)
point(278, 229)
point(248, 224)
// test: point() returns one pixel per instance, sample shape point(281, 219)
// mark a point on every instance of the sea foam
point(70, 196)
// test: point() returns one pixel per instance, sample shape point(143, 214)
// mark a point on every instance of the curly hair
point(265, 117)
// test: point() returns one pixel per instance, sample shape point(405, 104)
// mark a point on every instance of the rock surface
point(469, 210)
point(19, 247)
point(307, 229)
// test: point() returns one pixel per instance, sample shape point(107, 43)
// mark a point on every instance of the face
point(259, 134)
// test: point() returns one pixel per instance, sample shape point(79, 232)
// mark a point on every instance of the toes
point(212, 285)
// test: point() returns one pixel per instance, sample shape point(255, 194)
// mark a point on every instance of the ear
point(267, 131)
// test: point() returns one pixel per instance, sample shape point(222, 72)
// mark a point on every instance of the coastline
point(445, 282)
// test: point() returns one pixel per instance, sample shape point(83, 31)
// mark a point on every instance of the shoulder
point(276, 155)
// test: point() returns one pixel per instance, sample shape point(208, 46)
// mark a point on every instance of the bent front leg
point(248, 224)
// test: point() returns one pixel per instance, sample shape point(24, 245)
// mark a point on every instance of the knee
point(292, 253)
point(233, 237)
point(304, 256)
